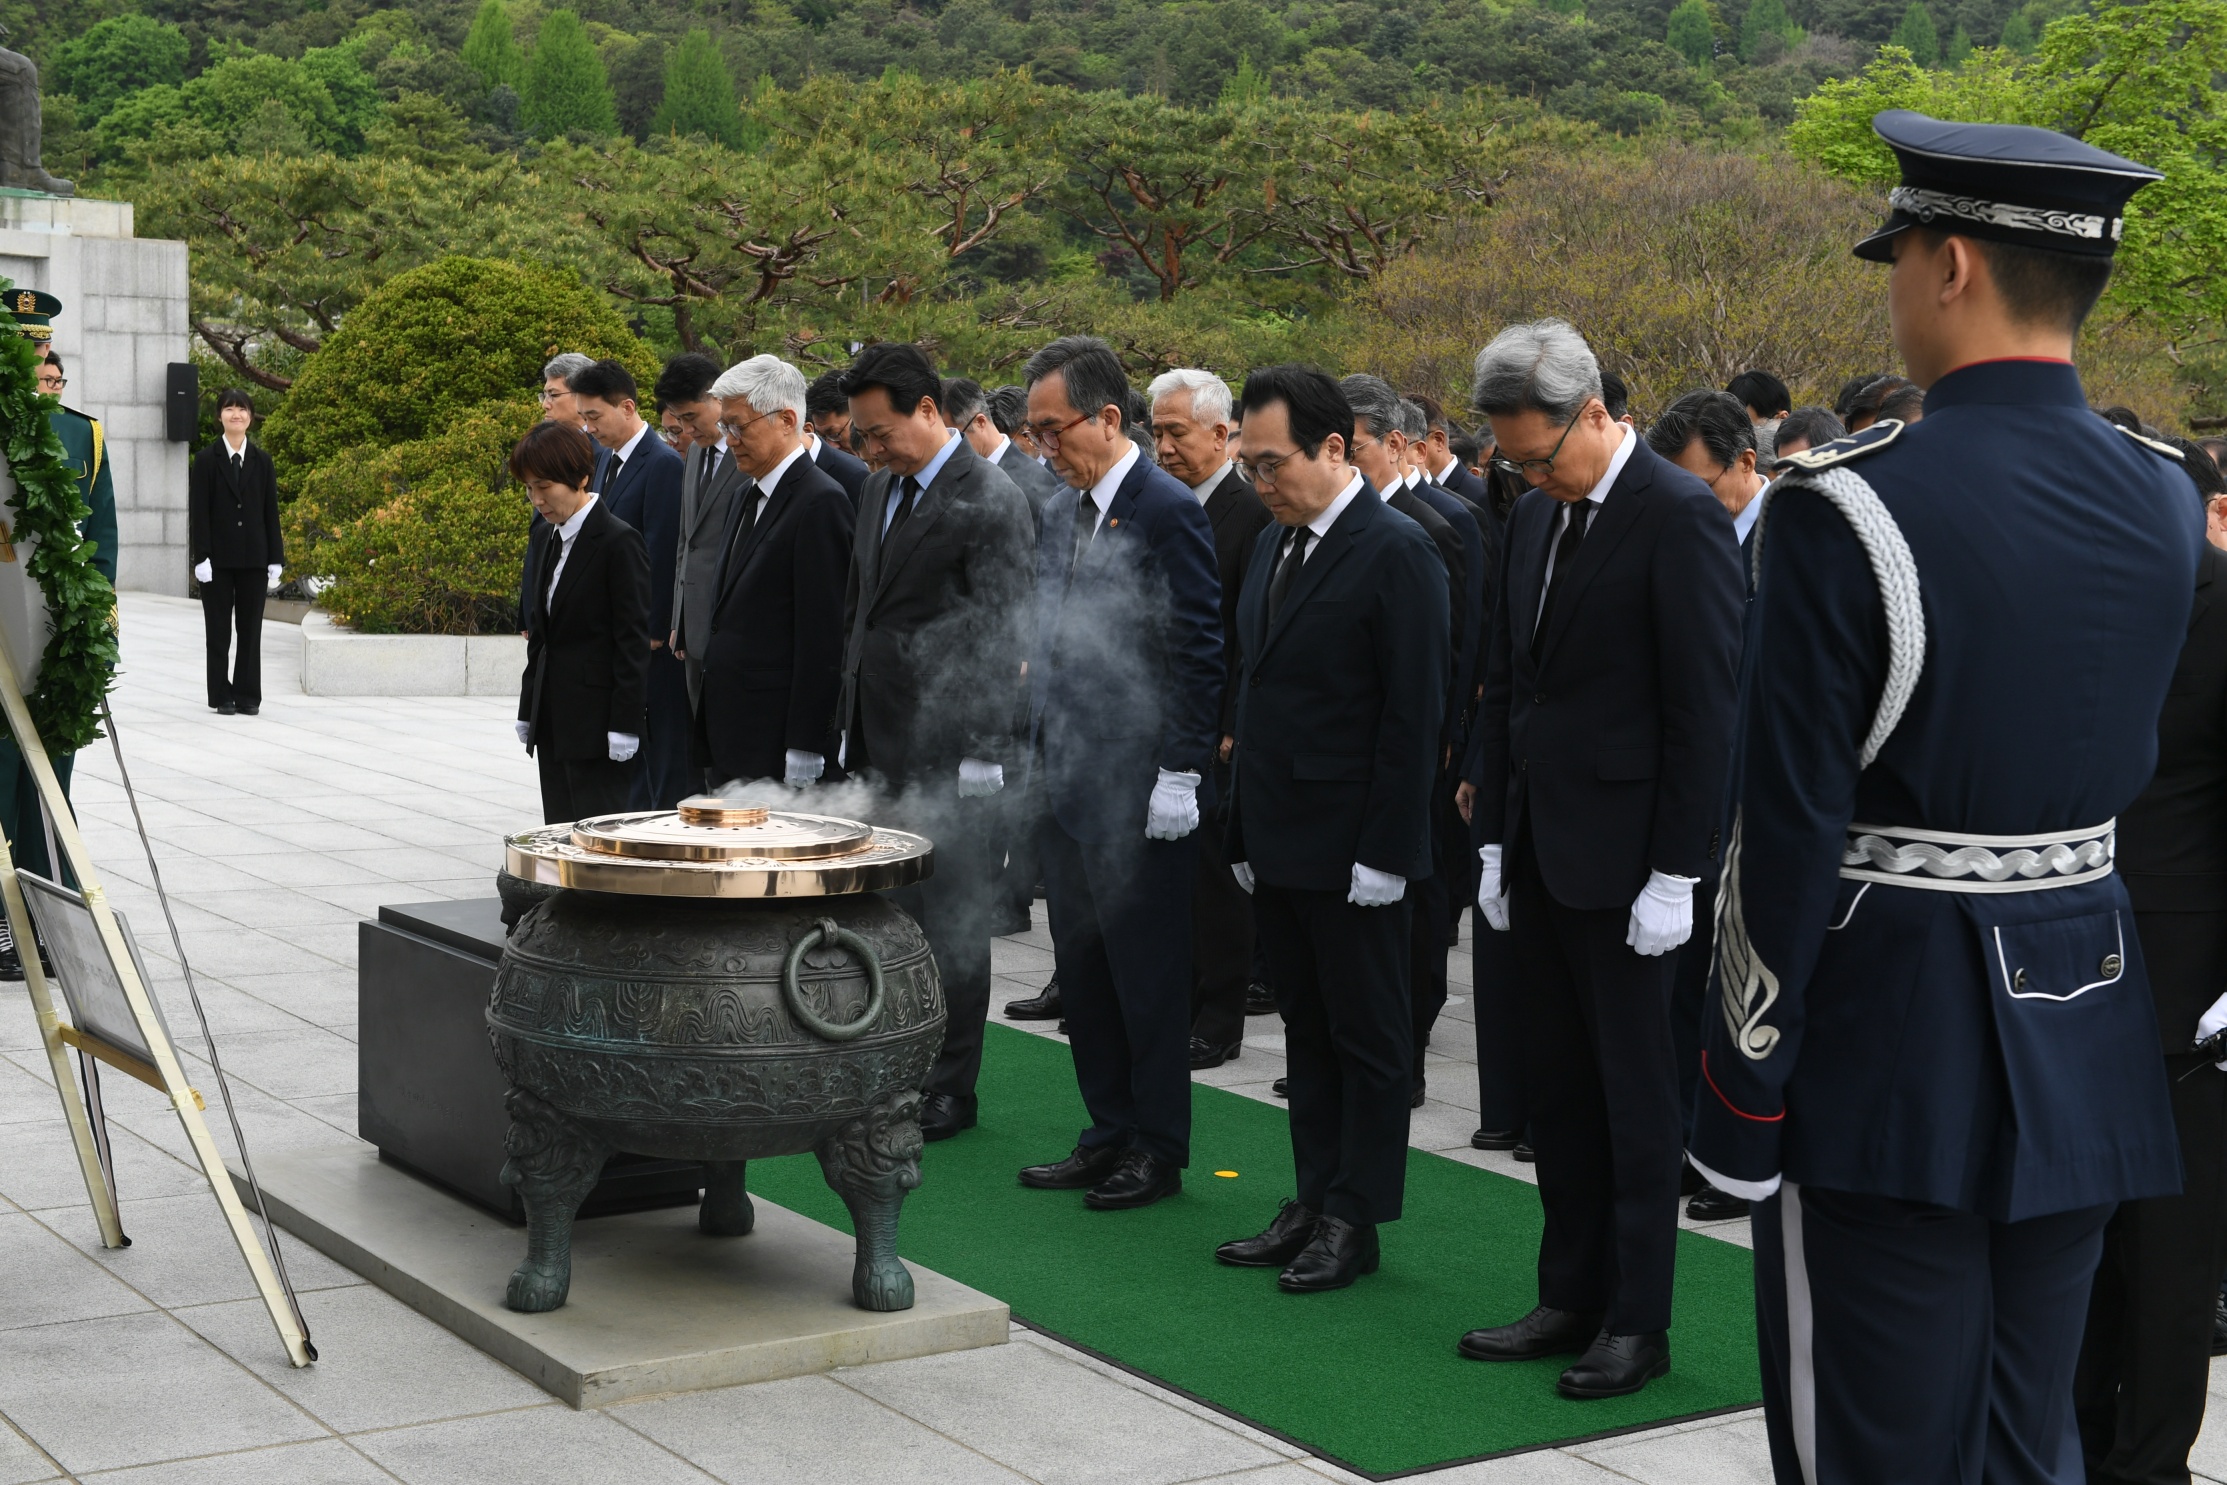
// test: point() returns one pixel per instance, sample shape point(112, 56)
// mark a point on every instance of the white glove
point(624, 745)
point(1243, 871)
point(203, 572)
point(1373, 888)
point(276, 570)
point(2211, 1021)
point(802, 768)
point(525, 730)
point(978, 779)
point(1173, 811)
point(1492, 893)
point(1662, 914)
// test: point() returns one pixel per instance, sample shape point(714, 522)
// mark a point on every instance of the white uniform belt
point(1936, 861)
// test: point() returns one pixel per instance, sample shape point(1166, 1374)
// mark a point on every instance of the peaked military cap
point(2003, 183)
point(34, 313)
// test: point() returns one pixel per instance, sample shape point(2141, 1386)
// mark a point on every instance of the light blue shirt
point(926, 477)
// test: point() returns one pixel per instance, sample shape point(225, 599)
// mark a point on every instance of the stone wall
point(122, 324)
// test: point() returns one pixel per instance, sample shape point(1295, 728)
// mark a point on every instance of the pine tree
point(1244, 86)
point(491, 47)
point(1764, 18)
point(1959, 48)
point(1691, 33)
point(699, 95)
point(1915, 34)
point(2018, 33)
point(566, 87)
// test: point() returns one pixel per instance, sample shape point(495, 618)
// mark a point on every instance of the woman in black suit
point(581, 701)
point(237, 553)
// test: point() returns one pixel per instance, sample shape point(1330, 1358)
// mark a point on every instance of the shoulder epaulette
point(1870, 441)
point(2155, 446)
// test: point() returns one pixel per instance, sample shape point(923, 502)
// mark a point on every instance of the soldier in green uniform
point(84, 449)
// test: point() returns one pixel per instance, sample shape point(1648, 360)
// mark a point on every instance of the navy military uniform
point(1932, 1019)
point(85, 452)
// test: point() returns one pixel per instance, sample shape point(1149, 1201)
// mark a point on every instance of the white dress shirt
point(1595, 495)
point(565, 534)
point(1445, 476)
point(998, 453)
point(925, 478)
point(1099, 497)
point(773, 476)
point(1321, 524)
point(1744, 522)
point(1207, 488)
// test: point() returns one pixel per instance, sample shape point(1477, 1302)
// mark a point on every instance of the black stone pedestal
point(428, 1092)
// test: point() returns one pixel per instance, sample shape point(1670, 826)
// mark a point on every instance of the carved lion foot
point(537, 1288)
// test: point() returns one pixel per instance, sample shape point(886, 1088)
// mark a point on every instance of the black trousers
point(666, 774)
point(1914, 1344)
point(575, 790)
point(1433, 910)
point(232, 602)
point(1221, 941)
point(1121, 943)
point(955, 907)
point(1340, 974)
point(1689, 996)
point(1601, 1082)
point(1492, 973)
point(2145, 1365)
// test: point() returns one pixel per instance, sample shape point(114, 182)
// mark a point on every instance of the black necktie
point(236, 462)
point(1565, 553)
point(908, 492)
point(1287, 567)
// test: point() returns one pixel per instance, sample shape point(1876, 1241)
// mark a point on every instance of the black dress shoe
point(1543, 1332)
point(943, 1115)
point(1496, 1139)
point(1524, 1153)
point(1078, 1172)
point(1042, 1006)
point(1281, 1087)
point(1139, 1180)
point(226, 709)
point(1711, 1205)
point(1338, 1253)
point(1278, 1244)
point(250, 708)
point(1259, 1000)
point(1617, 1365)
point(1213, 1054)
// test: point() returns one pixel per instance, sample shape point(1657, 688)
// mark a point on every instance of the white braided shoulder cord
point(1896, 572)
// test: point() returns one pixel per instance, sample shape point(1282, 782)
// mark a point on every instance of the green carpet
point(1366, 1376)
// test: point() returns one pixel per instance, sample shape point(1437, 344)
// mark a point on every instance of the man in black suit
point(827, 435)
point(967, 409)
point(236, 549)
point(1605, 739)
point(773, 661)
point(708, 487)
point(1190, 429)
point(641, 483)
point(582, 697)
point(936, 611)
point(1440, 462)
point(2140, 1388)
point(1126, 682)
point(1344, 628)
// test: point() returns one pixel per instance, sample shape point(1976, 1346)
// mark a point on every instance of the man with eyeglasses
point(1126, 684)
point(1596, 782)
point(936, 612)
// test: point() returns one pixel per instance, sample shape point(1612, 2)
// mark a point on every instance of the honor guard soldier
point(85, 451)
point(1933, 1061)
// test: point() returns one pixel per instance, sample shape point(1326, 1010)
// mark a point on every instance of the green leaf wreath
point(80, 659)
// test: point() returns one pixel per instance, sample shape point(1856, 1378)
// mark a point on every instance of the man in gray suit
point(966, 407)
point(938, 611)
point(707, 495)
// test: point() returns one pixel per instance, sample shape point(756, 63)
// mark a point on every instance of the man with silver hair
point(1597, 783)
point(1190, 432)
point(773, 663)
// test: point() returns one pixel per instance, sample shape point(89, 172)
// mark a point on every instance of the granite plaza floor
point(157, 1366)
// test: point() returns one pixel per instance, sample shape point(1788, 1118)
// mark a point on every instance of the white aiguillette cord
point(224, 1087)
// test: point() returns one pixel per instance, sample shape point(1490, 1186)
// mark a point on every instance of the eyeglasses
point(56, 382)
point(734, 430)
point(1049, 435)
point(1538, 469)
point(1262, 471)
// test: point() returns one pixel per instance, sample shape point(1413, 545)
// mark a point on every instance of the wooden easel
point(164, 1073)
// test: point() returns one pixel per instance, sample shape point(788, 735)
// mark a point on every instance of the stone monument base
point(655, 1306)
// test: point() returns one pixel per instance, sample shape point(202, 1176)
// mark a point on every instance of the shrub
point(425, 537)
point(432, 342)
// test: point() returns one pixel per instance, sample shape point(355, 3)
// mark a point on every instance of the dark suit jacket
point(773, 663)
point(938, 625)
point(1612, 748)
point(645, 493)
point(233, 522)
point(706, 511)
point(1468, 486)
point(1036, 483)
point(843, 467)
point(588, 644)
point(1338, 719)
point(1234, 510)
point(1467, 523)
point(1128, 673)
point(2173, 839)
